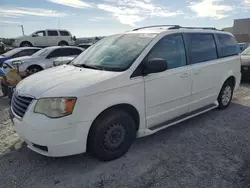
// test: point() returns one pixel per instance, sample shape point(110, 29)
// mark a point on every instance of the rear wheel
point(225, 95)
point(63, 43)
point(26, 44)
point(111, 135)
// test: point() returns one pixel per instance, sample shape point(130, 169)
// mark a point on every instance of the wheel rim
point(114, 137)
point(226, 95)
point(33, 71)
point(26, 45)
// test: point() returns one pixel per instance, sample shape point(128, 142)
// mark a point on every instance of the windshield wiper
point(89, 66)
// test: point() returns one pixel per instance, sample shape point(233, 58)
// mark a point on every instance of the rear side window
point(201, 47)
point(228, 46)
point(70, 51)
point(55, 53)
point(171, 48)
point(52, 33)
point(75, 51)
point(64, 33)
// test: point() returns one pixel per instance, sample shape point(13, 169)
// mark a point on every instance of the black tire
point(26, 44)
point(111, 135)
point(33, 69)
point(63, 43)
point(225, 95)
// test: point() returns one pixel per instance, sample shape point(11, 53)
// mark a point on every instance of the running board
point(184, 117)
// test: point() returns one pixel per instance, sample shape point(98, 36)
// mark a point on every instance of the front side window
point(114, 53)
point(201, 47)
point(228, 46)
point(40, 33)
point(52, 33)
point(171, 48)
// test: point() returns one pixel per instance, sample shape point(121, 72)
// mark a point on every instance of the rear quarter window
point(64, 33)
point(227, 46)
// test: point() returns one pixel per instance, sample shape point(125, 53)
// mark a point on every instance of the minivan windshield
point(114, 53)
point(246, 52)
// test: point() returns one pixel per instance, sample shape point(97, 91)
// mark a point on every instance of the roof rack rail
point(155, 26)
point(181, 27)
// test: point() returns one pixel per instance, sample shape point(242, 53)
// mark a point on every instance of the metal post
point(22, 29)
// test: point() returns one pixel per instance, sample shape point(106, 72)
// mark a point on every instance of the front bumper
point(53, 143)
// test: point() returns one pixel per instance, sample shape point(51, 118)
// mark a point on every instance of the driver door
point(168, 93)
point(39, 38)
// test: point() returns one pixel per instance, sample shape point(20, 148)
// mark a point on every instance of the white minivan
point(45, 38)
point(126, 86)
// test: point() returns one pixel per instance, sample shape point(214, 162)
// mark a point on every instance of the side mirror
point(17, 63)
point(155, 65)
point(34, 35)
point(57, 63)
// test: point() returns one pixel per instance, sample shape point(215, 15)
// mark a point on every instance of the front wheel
point(112, 135)
point(33, 69)
point(225, 95)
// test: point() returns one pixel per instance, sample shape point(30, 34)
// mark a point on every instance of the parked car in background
point(243, 46)
point(126, 86)
point(45, 38)
point(245, 64)
point(18, 52)
point(43, 59)
point(85, 45)
point(63, 60)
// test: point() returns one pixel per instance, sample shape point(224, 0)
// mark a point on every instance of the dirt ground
point(208, 151)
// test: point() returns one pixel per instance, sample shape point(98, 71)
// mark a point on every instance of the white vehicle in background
point(126, 86)
point(45, 38)
point(43, 59)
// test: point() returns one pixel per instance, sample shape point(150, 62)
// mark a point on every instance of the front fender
point(89, 107)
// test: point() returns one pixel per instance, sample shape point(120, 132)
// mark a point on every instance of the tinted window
point(201, 47)
point(75, 51)
point(52, 33)
point(70, 51)
point(64, 33)
point(27, 52)
point(55, 53)
point(171, 48)
point(227, 45)
point(40, 33)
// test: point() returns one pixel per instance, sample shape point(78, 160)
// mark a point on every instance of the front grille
point(20, 104)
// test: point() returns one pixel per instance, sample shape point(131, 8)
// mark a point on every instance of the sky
point(86, 18)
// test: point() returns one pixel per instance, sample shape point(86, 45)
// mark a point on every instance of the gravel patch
point(211, 150)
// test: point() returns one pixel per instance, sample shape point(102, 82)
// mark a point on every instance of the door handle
point(197, 72)
point(186, 74)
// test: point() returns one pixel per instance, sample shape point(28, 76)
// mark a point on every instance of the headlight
point(55, 107)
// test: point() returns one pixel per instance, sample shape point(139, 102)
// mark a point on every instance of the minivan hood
point(68, 77)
